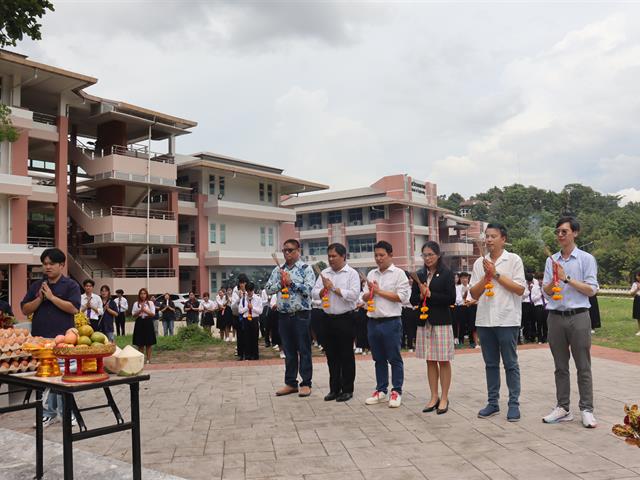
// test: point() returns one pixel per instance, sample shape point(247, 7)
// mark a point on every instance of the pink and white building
point(398, 208)
point(101, 180)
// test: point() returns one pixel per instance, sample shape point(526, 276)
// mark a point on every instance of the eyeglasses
point(561, 231)
point(428, 255)
point(288, 250)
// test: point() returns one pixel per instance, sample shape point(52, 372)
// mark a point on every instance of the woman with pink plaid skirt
point(434, 340)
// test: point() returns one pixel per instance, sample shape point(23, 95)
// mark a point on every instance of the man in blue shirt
point(53, 301)
point(569, 322)
point(297, 280)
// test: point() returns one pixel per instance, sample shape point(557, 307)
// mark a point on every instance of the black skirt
point(207, 319)
point(143, 332)
point(636, 307)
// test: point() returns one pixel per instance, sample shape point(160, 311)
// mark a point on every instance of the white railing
point(118, 237)
point(41, 241)
point(135, 151)
point(94, 211)
point(132, 177)
point(134, 273)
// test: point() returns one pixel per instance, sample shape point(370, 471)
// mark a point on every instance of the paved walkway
point(225, 422)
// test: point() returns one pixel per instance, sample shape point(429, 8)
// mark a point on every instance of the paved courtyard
point(225, 422)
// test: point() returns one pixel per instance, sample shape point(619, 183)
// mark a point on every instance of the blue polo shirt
point(48, 320)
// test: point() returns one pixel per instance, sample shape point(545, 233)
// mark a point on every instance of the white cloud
point(628, 195)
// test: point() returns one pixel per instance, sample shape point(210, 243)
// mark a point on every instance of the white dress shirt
point(348, 281)
point(504, 309)
point(393, 279)
point(94, 302)
point(221, 301)
point(208, 306)
point(122, 304)
point(460, 294)
point(149, 306)
point(256, 306)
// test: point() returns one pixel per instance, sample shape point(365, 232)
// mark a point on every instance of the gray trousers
point(572, 336)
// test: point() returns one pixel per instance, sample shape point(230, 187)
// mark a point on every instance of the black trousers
point(460, 323)
point(248, 339)
point(264, 328)
point(409, 327)
point(362, 335)
point(120, 321)
point(528, 321)
point(273, 322)
point(541, 323)
point(317, 325)
point(338, 345)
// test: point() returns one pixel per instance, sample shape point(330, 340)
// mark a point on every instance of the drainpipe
point(148, 198)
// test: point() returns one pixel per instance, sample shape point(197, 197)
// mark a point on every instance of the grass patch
point(186, 338)
point(618, 328)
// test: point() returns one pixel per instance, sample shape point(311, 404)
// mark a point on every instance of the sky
point(468, 95)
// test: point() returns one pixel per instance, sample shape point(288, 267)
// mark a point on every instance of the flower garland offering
point(488, 286)
point(371, 304)
point(556, 289)
point(249, 315)
point(325, 298)
point(424, 309)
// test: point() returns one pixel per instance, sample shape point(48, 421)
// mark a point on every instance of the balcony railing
point(45, 118)
point(137, 151)
point(122, 211)
point(132, 177)
point(134, 273)
point(117, 237)
point(187, 248)
point(187, 197)
point(40, 242)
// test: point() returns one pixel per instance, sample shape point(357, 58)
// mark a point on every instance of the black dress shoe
point(440, 411)
point(330, 396)
point(431, 408)
point(343, 397)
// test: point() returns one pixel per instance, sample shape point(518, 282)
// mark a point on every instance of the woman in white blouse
point(143, 311)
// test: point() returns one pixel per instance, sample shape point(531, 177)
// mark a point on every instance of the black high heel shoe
point(440, 411)
point(432, 408)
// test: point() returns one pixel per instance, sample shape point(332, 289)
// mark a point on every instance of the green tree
point(452, 202)
point(19, 18)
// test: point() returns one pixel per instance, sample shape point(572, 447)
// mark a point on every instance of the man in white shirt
point(339, 284)
point(386, 289)
point(498, 284)
point(91, 304)
point(123, 306)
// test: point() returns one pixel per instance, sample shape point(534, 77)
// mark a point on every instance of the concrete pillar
point(18, 226)
point(61, 185)
point(202, 243)
point(174, 258)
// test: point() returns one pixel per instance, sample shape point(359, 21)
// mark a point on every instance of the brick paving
point(225, 422)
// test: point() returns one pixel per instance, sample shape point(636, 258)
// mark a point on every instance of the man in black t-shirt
point(53, 301)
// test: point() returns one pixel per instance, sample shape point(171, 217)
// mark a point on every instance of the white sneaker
point(411, 350)
point(276, 348)
point(558, 415)
point(357, 350)
point(282, 355)
point(377, 397)
point(455, 341)
point(395, 400)
point(48, 421)
point(588, 420)
point(638, 334)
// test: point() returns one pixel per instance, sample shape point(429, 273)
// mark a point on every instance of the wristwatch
point(497, 276)
point(567, 280)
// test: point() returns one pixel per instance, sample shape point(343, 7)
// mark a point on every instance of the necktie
point(530, 299)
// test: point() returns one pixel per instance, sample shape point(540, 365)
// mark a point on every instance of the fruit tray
point(85, 352)
point(82, 355)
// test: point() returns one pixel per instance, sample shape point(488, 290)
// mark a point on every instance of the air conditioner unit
point(315, 227)
point(356, 222)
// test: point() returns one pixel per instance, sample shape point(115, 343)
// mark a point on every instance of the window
point(214, 283)
point(315, 219)
point(299, 221)
point(317, 247)
point(355, 216)
point(263, 237)
point(361, 244)
point(182, 180)
point(271, 236)
point(212, 233)
point(212, 184)
point(223, 233)
point(261, 192)
point(335, 216)
point(183, 227)
point(270, 193)
point(376, 213)
point(221, 186)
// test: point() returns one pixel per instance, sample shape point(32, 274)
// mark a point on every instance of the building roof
point(242, 167)
point(23, 60)
point(353, 193)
